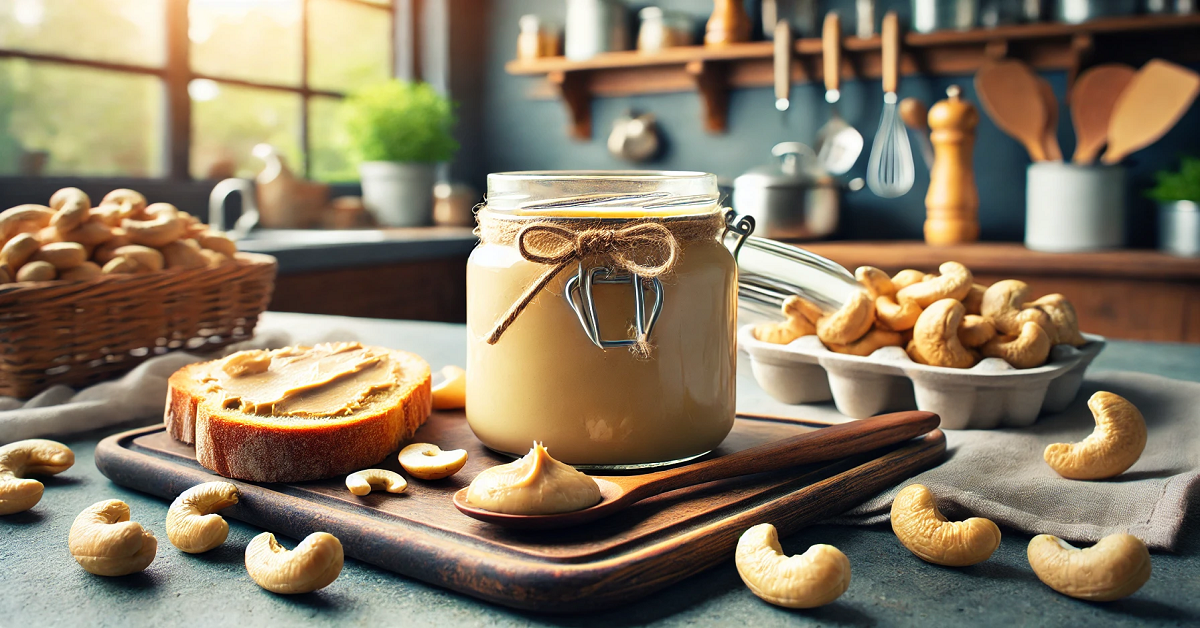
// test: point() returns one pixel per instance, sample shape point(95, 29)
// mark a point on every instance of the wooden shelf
point(713, 71)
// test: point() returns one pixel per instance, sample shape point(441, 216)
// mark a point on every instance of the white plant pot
point(400, 194)
point(1074, 208)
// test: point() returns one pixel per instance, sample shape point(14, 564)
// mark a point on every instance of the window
point(87, 86)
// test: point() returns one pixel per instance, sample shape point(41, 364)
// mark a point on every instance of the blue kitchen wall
point(525, 133)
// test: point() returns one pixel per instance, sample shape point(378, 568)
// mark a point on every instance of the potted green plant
point(398, 132)
point(1178, 196)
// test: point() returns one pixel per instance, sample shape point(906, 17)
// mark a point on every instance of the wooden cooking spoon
point(820, 445)
point(1157, 97)
point(1050, 138)
point(1092, 100)
point(1011, 96)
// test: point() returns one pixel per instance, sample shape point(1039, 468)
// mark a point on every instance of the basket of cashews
point(979, 356)
point(87, 293)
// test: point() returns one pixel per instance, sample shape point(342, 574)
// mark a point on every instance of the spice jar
point(601, 314)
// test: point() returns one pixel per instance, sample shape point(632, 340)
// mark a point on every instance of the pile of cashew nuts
point(71, 240)
point(1115, 567)
point(942, 320)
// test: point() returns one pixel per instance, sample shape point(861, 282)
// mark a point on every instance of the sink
point(269, 239)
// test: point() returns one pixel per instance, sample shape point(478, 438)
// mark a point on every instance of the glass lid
point(606, 194)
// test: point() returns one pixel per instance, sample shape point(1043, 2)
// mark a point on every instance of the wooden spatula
point(1092, 100)
point(1050, 138)
point(1159, 94)
point(1010, 94)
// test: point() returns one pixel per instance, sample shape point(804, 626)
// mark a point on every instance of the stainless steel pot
point(793, 199)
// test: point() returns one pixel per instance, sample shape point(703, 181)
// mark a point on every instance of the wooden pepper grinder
point(728, 23)
point(952, 204)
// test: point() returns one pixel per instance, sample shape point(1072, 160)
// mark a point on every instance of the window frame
point(176, 73)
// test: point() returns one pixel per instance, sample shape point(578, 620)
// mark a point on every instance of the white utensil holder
point(1071, 208)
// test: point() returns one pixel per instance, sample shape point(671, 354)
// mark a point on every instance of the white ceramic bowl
point(988, 395)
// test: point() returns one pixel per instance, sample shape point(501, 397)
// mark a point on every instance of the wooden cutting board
point(420, 534)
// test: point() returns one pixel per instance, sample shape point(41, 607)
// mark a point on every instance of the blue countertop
point(40, 584)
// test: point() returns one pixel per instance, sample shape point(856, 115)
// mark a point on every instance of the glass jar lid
point(606, 194)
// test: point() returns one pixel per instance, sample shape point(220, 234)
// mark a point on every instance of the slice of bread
point(272, 448)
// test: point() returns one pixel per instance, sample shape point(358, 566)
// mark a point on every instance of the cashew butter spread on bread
point(298, 413)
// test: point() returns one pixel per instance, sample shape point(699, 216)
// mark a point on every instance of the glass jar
point(601, 314)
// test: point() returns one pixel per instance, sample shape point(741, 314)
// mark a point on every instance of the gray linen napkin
point(1001, 475)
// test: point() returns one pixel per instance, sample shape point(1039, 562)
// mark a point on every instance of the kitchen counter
point(42, 585)
point(301, 250)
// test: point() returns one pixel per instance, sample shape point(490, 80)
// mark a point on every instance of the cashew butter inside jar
point(601, 313)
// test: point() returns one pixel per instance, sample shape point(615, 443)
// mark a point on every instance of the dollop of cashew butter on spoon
point(534, 485)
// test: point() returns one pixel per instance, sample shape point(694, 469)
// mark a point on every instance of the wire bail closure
point(578, 292)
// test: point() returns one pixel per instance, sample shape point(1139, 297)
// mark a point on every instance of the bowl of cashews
point(979, 356)
point(88, 292)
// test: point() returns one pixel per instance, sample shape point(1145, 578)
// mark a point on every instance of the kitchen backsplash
point(527, 133)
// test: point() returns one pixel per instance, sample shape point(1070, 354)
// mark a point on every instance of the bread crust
point(281, 449)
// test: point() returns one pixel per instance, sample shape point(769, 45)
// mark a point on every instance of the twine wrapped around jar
point(647, 247)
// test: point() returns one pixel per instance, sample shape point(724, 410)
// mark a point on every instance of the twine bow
point(557, 247)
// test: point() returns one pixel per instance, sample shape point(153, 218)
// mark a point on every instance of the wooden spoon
point(1050, 139)
point(1157, 97)
point(1011, 96)
point(820, 445)
point(1092, 100)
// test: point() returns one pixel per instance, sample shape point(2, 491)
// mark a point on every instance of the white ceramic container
point(1072, 208)
point(991, 394)
point(399, 194)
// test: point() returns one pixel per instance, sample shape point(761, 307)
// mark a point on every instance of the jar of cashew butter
point(601, 311)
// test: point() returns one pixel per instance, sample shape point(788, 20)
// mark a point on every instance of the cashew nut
point(875, 339)
point(24, 219)
point(906, 278)
point(90, 233)
point(451, 393)
point(921, 528)
point(63, 255)
point(71, 207)
point(1064, 324)
point(19, 250)
point(164, 227)
point(183, 254)
point(975, 330)
point(218, 242)
point(120, 265)
point(849, 323)
point(974, 298)
point(46, 235)
point(814, 578)
point(935, 337)
point(361, 482)
point(29, 457)
point(428, 462)
point(1112, 447)
point(1115, 567)
point(105, 542)
point(1004, 303)
point(896, 316)
point(37, 271)
point(131, 202)
point(1028, 349)
point(82, 272)
point(192, 523)
point(802, 316)
point(214, 258)
point(110, 215)
point(6, 273)
point(147, 259)
point(875, 281)
point(954, 282)
point(314, 564)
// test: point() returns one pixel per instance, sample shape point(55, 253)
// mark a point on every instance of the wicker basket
point(81, 332)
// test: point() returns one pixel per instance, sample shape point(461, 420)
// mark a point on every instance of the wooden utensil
point(1092, 100)
point(1050, 138)
point(838, 144)
point(916, 117)
point(783, 65)
point(1011, 96)
point(1157, 96)
point(830, 443)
